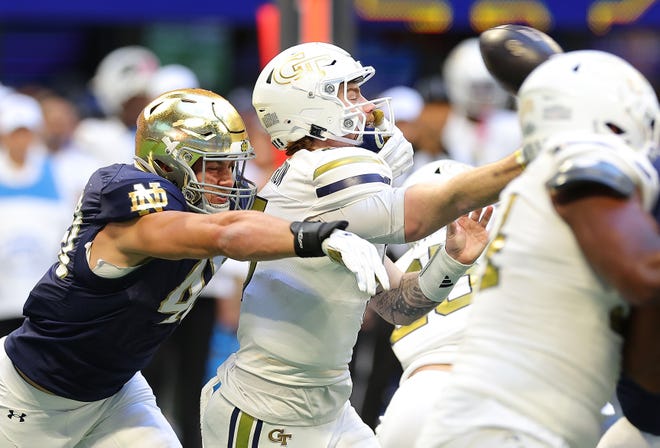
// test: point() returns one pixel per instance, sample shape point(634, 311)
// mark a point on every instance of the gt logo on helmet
point(296, 65)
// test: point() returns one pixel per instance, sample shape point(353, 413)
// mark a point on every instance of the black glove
point(308, 236)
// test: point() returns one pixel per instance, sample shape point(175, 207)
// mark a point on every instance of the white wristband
point(438, 277)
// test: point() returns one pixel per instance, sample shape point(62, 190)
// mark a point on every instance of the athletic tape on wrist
point(438, 277)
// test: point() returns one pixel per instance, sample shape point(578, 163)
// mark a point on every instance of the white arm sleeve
point(378, 218)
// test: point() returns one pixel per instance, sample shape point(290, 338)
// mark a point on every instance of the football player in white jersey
point(426, 347)
point(572, 245)
point(289, 382)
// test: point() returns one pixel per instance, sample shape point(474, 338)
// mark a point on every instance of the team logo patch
point(14, 415)
point(279, 436)
point(145, 200)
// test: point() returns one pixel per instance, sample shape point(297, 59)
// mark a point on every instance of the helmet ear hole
point(614, 128)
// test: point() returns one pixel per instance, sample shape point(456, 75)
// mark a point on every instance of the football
point(511, 52)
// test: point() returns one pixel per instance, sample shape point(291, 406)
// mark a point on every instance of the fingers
point(487, 215)
point(481, 215)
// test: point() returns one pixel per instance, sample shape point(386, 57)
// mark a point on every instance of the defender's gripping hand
point(358, 256)
point(315, 239)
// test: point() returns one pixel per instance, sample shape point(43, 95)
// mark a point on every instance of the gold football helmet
point(183, 126)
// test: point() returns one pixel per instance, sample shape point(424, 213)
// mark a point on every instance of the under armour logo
point(20, 417)
point(446, 282)
point(279, 436)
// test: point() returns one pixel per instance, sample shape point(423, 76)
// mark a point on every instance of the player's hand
point(398, 153)
point(526, 153)
point(467, 237)
point(358, 256)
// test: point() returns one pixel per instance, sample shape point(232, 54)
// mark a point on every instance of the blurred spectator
point(171, 77)
point(36, 200)
point(60, 122)
point(259, 169)
point(120, 87)
point(480, 128)
point(431, 121)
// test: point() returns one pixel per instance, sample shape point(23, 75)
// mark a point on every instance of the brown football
point(511, 52)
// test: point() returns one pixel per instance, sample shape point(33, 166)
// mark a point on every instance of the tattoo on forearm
point(405, 304)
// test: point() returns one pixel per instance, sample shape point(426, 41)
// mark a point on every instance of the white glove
point(396, 150)
point(358, 256)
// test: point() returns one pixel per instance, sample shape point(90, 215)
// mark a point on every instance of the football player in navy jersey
point(144, 241)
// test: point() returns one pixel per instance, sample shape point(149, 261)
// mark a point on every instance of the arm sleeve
point(378, 218)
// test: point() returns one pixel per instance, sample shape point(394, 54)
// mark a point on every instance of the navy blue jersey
point(84, 335)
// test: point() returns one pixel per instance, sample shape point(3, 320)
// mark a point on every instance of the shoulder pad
point(605, 160)
point(574, 172)
point(345, 171)
point(125, 192)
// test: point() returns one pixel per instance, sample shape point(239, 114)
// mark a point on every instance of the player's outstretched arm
point(414, 294)
point(242, 235)
point(432, 206)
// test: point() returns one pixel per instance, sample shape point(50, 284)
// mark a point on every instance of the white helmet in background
point(296, 95)
point(439, 171)
point(591, 91)
point(122, 74)
point(172, 77)
point(436, 172)
point(470, 87)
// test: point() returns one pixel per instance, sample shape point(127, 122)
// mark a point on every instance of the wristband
point(520, 158)
point(438, 277)
point(308, 236)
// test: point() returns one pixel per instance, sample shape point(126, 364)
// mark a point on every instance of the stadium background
point(59, 44)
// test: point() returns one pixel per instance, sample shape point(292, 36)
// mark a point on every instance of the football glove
point(358, 256)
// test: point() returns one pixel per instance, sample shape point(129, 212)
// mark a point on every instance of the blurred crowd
point(48, 149)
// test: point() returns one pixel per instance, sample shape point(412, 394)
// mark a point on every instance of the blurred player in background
point(426, 347)
point(572, 245)
point(480, 127)
point(121, 88)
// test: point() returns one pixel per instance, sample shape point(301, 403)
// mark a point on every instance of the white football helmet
point(438, 172)
point(296, 95)
point(471, 88)
point(183, 126)
point(122, 74)
point(591, 91)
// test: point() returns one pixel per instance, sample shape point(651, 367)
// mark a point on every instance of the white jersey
point(433, 338)
point(300, 317)
point(542, 338)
